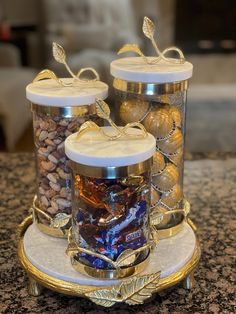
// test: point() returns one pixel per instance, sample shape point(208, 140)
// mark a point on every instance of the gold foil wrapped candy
point(159, 123)
point(173, 197)
point(177, 158)
point(155, 197)
point(133, 110)
point(176, 115)
point(167, 179)
point(171, 144)
point(158, 163)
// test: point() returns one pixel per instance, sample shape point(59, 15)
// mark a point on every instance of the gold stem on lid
point(148, 30)
point(60, 56)
point(103, 111)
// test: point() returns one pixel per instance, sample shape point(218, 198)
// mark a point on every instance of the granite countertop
point(210, 188)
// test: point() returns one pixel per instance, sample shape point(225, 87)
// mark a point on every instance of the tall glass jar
point(155, 95)
point(58, 111)
point(111, 200)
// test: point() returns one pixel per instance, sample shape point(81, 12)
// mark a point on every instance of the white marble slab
point(48, 255)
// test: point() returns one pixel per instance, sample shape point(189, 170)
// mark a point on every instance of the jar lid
point(93, 149)
point(135, 69)
point(49, 93)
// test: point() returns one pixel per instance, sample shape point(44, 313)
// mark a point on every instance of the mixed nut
point(54, 182)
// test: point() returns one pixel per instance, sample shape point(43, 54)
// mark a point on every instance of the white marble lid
point(93, 149)
point(135, 69)
point(49, 93)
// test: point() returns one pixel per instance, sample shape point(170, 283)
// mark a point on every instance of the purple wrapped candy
point(127, 205)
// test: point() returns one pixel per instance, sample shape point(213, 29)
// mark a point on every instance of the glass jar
point(58, 111)
point(155, 95)
point(111, 200)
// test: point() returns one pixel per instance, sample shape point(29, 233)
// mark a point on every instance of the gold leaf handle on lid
point(60, 56)
point(132, 48)
point(58, 53)
point(148, 27)
point(48, 74)
point(103, 111)
point(148, 30)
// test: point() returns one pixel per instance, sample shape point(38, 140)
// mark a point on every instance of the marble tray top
point(48, 255)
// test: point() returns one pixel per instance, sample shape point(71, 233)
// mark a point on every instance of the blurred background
point(91, 31)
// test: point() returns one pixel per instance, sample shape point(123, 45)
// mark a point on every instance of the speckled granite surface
point(210, 186)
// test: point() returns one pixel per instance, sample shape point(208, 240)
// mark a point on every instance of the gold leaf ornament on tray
point(133, 291)
point(60, 220)
point(149, 30)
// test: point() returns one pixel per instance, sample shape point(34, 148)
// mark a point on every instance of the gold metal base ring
point(109, 273)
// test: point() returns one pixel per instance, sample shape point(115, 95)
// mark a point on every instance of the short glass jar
point(111, 200)
point(154, 94)
point(58, 111)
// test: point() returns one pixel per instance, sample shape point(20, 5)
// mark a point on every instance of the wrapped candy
point(111, 188)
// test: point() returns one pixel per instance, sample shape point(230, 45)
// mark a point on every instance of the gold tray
point(131, 291)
